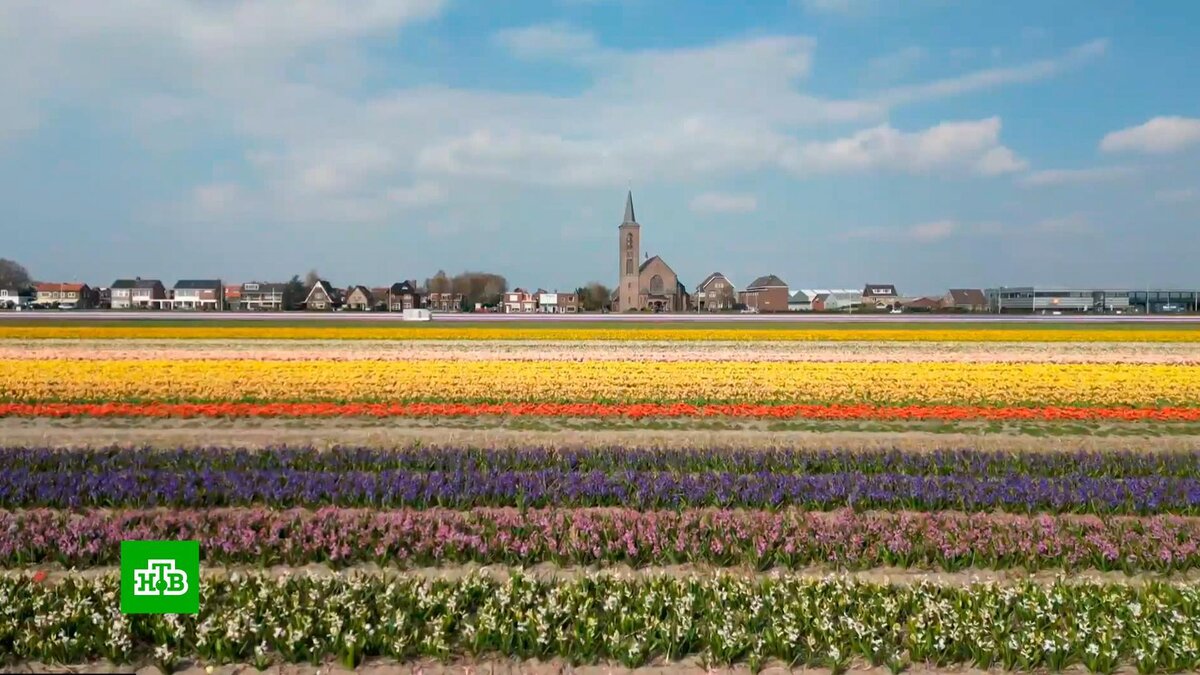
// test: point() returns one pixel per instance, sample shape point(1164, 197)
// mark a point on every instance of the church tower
point(630, 246)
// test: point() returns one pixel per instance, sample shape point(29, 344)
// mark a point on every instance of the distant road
point(388, 317)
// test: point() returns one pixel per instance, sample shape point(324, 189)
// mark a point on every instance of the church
point(649, 286)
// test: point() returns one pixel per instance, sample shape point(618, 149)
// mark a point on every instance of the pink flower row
point(791, 538)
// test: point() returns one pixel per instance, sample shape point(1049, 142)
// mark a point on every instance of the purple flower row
point(197, 488)
point(1111, 464)
point(946, 540)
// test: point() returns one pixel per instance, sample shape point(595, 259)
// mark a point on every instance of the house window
point(629, 266)
point(656, 284)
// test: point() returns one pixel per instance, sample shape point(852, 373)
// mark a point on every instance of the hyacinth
point(553, 487)
point(613, 459)
point(719, 619)
point(406, 538)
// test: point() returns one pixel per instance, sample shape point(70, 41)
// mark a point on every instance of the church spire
point(629, 208)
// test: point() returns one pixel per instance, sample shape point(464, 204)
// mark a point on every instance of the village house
point(12, 297)
point(404, 295)
point(322, 297)
point(205, 294)
point(59, 294)
point(835, 299)
point(520, 301)
point(882, 296)
point(767, 293)
point(924, 304)
point(137, 293)
point(965, 300)
point(360, 299)
point(715, 294)
point(444, 302)
point(262, 296)
point(233, 297)
point(557, 303)
point(379, 294)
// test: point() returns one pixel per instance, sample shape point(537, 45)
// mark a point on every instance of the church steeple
point(629, 208)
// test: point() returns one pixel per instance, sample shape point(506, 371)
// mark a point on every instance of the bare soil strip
point(502, 666)
point(474, 350)
point(80, 433)
point(897, 576)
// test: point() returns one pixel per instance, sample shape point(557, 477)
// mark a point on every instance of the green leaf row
point(722, 619)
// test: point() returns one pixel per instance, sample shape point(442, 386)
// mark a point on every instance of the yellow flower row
point(616, 381)
point(997, 333)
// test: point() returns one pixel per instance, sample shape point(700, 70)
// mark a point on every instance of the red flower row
point(863, 411)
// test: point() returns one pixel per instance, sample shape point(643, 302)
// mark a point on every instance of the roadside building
point(259, 296)
point(715, 294)
point(404, 295)
point(322, 297)
point(59, 294)
point(767, 293)
point(1027, 299)
point(882, 296)
point(965, 300)
point(138, 293)
point(206, 294)
point(360, 299)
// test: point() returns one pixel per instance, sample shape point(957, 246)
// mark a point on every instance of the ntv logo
point(160, 577)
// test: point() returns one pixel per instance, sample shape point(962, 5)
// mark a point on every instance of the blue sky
point(926, 143)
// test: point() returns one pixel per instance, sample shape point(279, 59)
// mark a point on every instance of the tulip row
point(630, 332)
point(695, 382)
point(20, 488)
point(1187, 353)
point(830, 412)
point(789, 539)
point(612, 459)
point(600, 618)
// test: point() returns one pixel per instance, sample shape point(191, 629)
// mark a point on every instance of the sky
point(924, 143)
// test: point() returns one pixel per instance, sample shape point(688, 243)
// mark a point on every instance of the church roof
point(647, 261)
point(629, 218)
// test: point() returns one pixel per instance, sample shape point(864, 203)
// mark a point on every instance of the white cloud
point(950, 145)
point(216, 198)
point(321, 145)
point(995, 77)
point(548, 39)
point(723, 202)
point(1049, 177)
point(1177, 196)
point(895, 65)
point(423, 193)
point(837, 6)
point(1160, 135)
point(1075, 223)
point(925, 233)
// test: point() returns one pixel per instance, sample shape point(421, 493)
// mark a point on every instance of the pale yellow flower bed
point(1184, 353)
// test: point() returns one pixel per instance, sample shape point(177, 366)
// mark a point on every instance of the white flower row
point(722, 619)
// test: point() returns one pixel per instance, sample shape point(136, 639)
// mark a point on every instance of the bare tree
point(13, 274)
point(594, 297)
point(439, 283)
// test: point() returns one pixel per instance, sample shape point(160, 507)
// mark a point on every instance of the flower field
point(620, 554)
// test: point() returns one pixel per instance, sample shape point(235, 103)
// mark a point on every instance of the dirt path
point(394, 433)
point(499, 666)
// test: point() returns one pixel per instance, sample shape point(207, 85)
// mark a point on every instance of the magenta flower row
point(586, 536)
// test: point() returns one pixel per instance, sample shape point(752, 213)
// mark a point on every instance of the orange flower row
point(864, 411)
